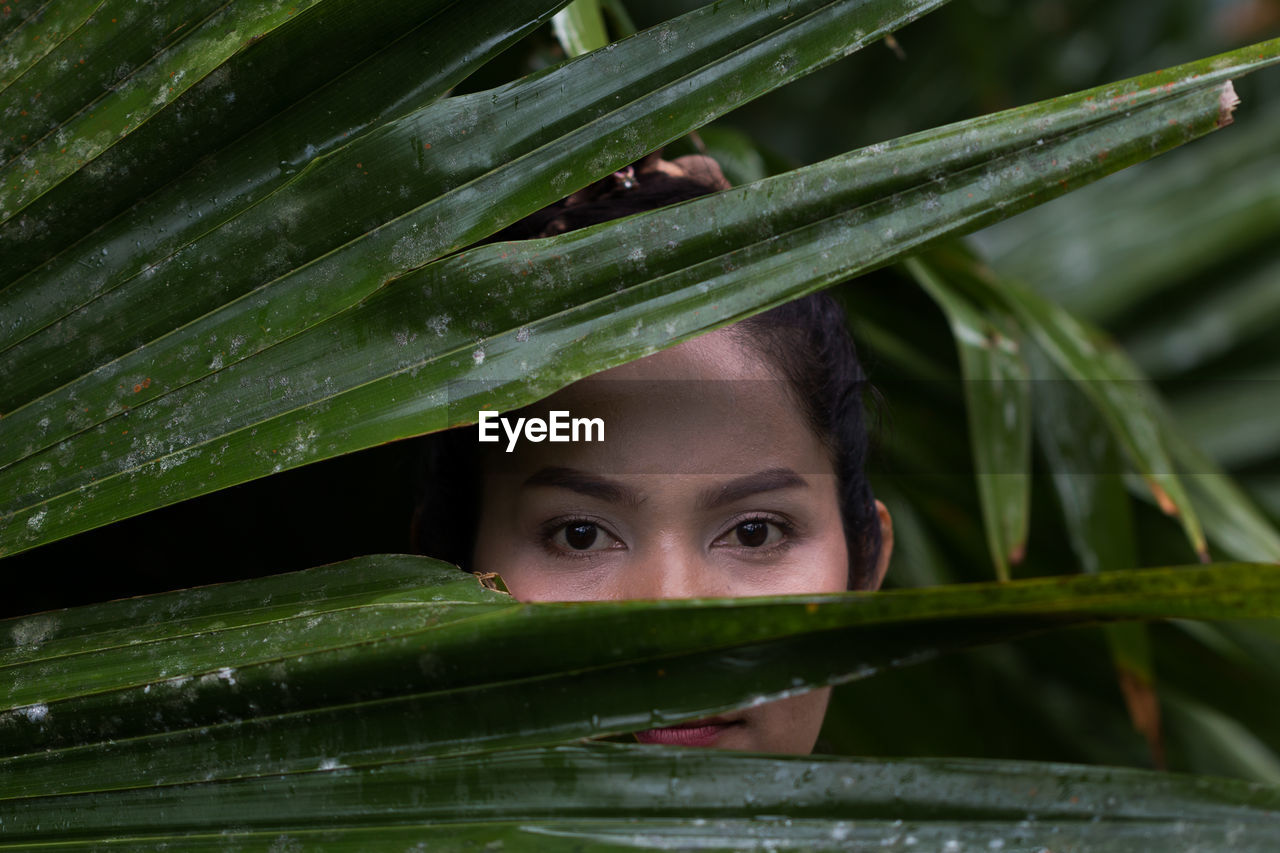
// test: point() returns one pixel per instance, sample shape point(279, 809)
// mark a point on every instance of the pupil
point(580, 536)
point(753, 533)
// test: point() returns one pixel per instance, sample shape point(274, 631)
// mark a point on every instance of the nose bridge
point(671, 569)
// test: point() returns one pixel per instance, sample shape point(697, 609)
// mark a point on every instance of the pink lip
point(693, 733)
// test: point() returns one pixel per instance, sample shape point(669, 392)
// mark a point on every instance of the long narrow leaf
point(1240, 308)
point(387, 85)
point(579, 27)
point(1231, 517)
point(1114, 249)
point(27, 43)
point(1084, 464)
point(998, 403)
point(553, 311)
point(411, 190)
point(286, 695)
point(1117, 390)
point(186, 101)
point(604, 797)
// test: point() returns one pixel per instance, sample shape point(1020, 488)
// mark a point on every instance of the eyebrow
point(591, 485)
point(585, 484)
point(768, 480)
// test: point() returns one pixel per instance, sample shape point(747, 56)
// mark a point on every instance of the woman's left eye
point(753, 533)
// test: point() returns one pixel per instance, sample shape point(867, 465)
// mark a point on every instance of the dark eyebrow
point(585, 484)
point(768, 480)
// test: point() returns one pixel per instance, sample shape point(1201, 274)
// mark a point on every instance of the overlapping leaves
point(552, 310)
point(344, 674)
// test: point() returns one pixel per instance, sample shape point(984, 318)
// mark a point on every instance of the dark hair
point(807, 340)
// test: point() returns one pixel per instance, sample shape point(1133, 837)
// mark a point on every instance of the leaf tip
point(1228, 100)
point(1144, 710)
point(1167, 506)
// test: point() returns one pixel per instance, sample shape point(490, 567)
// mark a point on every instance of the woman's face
point(709, 483)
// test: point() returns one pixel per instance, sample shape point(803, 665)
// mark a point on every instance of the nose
point(671, 571)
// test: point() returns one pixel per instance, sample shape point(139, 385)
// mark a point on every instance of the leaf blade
point(675, 295)
point(604, 795)
point(379, 692)
point(998, 402)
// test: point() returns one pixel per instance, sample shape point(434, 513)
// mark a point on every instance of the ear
point(886, 546)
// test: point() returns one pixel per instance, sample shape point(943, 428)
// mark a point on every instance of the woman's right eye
point(582, 536)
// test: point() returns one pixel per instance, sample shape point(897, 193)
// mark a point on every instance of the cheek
point(820, 565)
point(529, 573)
point(790, 726)
point(536, 585)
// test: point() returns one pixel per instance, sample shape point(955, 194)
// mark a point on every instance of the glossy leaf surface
point(580, 28)
point(148, 247)
point(1108, 251)
point(1117, 390)
point(636, 286)
point(998, 402)
point(222, 689)
point(345, 223)
point(604, 796)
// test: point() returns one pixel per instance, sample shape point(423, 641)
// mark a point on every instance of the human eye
point(756, 533)
point(578, 536)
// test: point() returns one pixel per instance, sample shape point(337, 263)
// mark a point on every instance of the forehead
point(708, 406)
point(719, 356)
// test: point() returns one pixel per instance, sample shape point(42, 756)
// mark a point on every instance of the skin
point(709, 483)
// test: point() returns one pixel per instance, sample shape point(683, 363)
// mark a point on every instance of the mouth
point(693, 733)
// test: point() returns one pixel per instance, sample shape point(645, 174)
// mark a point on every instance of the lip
point(693, 733)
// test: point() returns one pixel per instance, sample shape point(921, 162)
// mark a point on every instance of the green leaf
point(579, 27)
point(998, 402)
point(28, 43)
point(365, 582)
point(1232, 519)
point(1086, 467)
point(1117, 390)
point(553, 311)
point(1216, 740)
point(117, 69)
point(1240, 308)
point(1220, 416)
point(133, 116)
point(1221, 678)
point(604, 796)
point(91, 287)
point(206, 692)
point(411, 190)
point(1121, 247)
